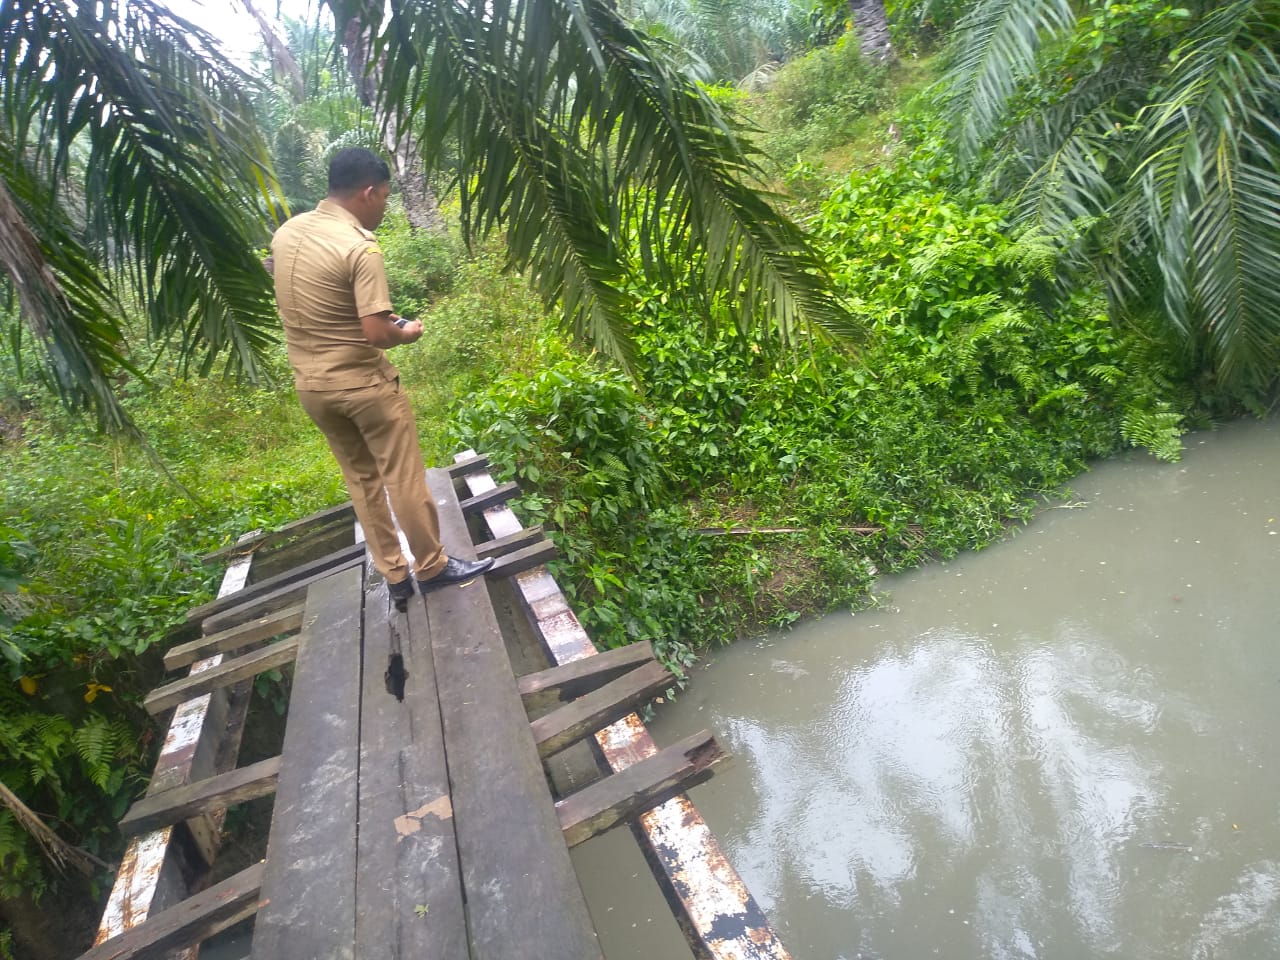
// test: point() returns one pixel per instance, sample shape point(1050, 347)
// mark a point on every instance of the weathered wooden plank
point(534, 555)
point(282, 621)
point(408, 884)
point(187, 923)
point(523, 897)
point(224, 674)
point(608, 802)
point(482, 501)
point(599, 708)
point(720, 918)
point(309, 886)
point(558, 684)
point(214, 793)
point(152, 873)
point(341, 513)
point(475, 464)
point(307, 572)
point(503, 545)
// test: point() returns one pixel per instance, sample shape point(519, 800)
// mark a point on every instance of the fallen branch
point(57, 850)
point(748, 531)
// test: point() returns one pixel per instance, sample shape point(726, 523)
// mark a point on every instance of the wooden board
point(188, 922)
point(347, 556)
point(224, 674)
point(608, 802)
point(526, 558)
point(503, 545)
point(523, 897)
point(309, 885)
point(342, 513)
point(408, 885)
point(599, 708)
point(282, 621)
point(499, 494)
point(213, 793)
point(558, 684)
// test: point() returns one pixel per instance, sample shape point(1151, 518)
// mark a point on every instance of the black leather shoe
point(401, 593)
point(455, 571)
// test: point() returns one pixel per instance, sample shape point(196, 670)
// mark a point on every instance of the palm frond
point(993, 51)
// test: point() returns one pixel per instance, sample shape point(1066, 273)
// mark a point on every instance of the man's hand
point(385, 330)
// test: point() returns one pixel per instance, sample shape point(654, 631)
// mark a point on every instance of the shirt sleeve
point(369, 279)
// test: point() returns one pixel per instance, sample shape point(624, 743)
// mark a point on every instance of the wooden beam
point(571, 680)
point(505, 545)
point(346, 557)
point(482, 501)
point(224, 674)
point(309, 885)
point(600, 708)
point(187, 923)
point(473, 464)
point(282, 621)
point(204, 796)
point(522, 893)
point(524, 559)
point(342, 513)
point(719, 917)
point(615, 799)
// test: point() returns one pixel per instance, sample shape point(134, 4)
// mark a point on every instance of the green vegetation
point(735, 476)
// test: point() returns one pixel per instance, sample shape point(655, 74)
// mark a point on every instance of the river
point(1063, 746)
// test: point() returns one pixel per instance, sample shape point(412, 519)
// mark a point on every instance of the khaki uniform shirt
point(328, 274)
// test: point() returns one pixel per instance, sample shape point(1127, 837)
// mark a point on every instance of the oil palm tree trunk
point(871, 23)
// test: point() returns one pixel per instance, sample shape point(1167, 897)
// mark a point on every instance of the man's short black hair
point(355, 168)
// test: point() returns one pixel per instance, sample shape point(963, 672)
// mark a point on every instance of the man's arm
point(383, 332)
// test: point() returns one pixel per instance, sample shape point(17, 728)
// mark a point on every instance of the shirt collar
point(329, 208)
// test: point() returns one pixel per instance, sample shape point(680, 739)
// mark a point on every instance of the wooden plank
point(609, 802)
point(523, 897)
point(570, 680)
point(599, 708)
point(475, 464)
point(341, 513)
point(482, 501)
point(504, 545)
point(719, 917)
point(214, 793)
point(224, 674)
point(524, 559)
point(282, 621)
point(187, 923)
point(153, 871)
point(408, 883)
point(347, 556)
point(309, 885)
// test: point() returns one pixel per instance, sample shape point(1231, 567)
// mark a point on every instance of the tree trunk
point(282, 60)
point(420, 204)
point(871, 23)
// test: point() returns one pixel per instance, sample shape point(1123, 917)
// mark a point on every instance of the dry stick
point(57, 850)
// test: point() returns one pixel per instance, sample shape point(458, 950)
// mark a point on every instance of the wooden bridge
point(413, 814)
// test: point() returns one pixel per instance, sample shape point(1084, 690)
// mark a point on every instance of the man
point(331, 288)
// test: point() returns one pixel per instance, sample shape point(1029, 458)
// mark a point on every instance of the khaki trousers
point(374, 438)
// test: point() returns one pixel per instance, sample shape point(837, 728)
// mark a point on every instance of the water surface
point(1063, 746)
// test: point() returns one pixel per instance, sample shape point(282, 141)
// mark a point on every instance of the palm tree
point(574, 133)
point(129, 167)
point(1144, 136)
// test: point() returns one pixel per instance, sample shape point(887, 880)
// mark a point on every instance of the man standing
point(331, 288)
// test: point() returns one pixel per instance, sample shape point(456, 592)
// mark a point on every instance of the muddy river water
point(1064, 746)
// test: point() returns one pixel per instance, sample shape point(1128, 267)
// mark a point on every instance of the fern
point(1159, 430)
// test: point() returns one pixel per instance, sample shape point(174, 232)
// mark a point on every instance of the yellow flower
point(28, 685)
point(93, 689)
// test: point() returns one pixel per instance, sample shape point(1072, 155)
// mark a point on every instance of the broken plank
point(524, 559)
point(408, 885)
point(309, 884)
point(204, 796)
point(599, 708)
point(188, 922)
point(499, 494)
point(522, 894)
point(341, 513)
point(503, 545)
point(615, 799)
point(571, 680)
point(273, 624)
point(345, 557)
point(224, 674)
